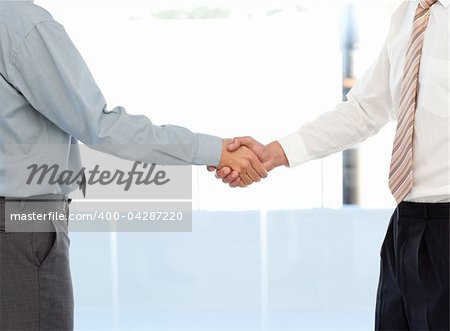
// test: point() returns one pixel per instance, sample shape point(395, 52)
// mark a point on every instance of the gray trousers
point(35, 282)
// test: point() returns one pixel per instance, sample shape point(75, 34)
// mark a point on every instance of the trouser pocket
point(388, 238)
point(43, 243)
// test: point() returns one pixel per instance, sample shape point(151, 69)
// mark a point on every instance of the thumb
point(234, 145)
point(268, 166)
point(241, 141)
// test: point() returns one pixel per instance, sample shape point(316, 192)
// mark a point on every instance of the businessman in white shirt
point(408, 83)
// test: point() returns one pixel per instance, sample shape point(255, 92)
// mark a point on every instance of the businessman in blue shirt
point(48, 96)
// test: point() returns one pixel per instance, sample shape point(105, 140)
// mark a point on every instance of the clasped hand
point(246, 161)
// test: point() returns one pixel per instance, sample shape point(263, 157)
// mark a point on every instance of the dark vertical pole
point(350, 157)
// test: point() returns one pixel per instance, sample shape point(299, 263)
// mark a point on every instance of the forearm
point(335, 131)
point(144, 141)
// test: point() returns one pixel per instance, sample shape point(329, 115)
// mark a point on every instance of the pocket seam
point(432, 82)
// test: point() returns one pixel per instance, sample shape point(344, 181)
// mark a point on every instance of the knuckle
point(245, 164)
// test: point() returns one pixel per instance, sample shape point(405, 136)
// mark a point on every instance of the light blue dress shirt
point(48, 96)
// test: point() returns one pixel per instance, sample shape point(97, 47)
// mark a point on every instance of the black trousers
point(413, 291)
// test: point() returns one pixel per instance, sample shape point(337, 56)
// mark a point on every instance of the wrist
point(277, 157)
point(225, 143)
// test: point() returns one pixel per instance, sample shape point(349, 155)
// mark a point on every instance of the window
point(235, 68)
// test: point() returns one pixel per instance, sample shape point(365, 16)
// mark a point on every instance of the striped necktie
point(401, 171)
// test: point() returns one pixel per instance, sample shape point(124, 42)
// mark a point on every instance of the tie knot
point(426, 4)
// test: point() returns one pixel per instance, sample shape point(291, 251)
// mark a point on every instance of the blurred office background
point(291, 253)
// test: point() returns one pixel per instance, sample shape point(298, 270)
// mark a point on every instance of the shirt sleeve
point(53, 77)
point(368, 109)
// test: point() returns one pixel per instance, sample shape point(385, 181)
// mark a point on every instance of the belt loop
point(63, 201)
point(22, 205)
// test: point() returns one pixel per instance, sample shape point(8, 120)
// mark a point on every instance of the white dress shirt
point(374, 101)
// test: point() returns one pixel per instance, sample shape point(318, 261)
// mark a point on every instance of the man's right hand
point(243, 162)
point(271, 156)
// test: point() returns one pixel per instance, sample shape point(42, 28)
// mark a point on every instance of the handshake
point(246, 161)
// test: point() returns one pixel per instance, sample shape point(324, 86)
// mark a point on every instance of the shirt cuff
point(207, 150)
point(294, 149)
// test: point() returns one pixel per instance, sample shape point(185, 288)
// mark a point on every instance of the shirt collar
point(445, 3)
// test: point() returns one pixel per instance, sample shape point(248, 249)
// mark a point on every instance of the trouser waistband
point(49, 200)
point(424, 210)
